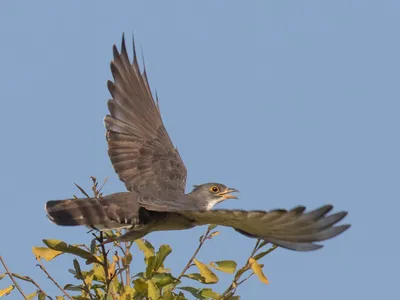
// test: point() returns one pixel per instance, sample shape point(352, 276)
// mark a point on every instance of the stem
point(234, 284)
point(12, 278)
point(37, 285)
point(205, 236)
point(105, 263)
point(127, 271)
point(40, 265)
point(87, 289)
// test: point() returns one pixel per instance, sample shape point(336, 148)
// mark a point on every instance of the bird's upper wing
point(180, 203)
point(292, 229)
point(140, 149)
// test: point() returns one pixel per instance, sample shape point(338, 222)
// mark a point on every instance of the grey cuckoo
point(154, 174)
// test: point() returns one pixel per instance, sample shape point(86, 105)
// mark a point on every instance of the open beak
point(226, 194)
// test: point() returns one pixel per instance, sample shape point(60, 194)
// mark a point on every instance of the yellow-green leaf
point(153, 290)
point(213, 234)
point(6, 291)
point(209, 293)
point(64, 247)
point(41, 296)
point(162, 254)
point(32, 295)
point(140, 285)
point(145, 247)
point(45, 253)
point(258, 270)
point(208, 275)
point(2, 276)
point(227, 266)
point(59, 297)
point(195, 276)
point(128, 293)
point(168, 295)
point(98, 272)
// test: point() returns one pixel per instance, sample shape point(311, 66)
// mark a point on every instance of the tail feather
point(74, 212)
point(294, 229)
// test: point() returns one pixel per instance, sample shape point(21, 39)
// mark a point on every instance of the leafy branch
point(107, 274)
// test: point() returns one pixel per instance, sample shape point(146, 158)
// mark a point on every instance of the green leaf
point(146, 248)
point(64, 247)
point(150, 266)
point(42, 296)
point(163, 279)
point(93, 246)
point(162, 254)
point(258, 270)
point(194, 291)
point(32, 295)
point(208, 275)
point(262, 254)
point(211, 227)
point(209, 293)
point(262, 244)
point(45, 253)
point(6, 291)
point(153, 290)
point(77, 268)
point(71, 287)
point(197, 277)
point(24, 278)
point(227, 266)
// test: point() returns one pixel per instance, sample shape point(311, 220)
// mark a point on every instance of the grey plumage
point(154, 173)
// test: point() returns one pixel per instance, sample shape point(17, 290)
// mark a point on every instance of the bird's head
point(213, 193)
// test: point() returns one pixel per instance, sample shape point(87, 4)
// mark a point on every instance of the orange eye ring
point(214, 189)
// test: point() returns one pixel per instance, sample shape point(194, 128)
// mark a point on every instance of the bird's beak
point(226, 194)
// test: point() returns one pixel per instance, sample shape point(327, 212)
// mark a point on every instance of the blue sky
point(292, 102)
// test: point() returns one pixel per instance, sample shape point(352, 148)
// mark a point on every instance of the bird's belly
point(172, 222)
point(110, 226)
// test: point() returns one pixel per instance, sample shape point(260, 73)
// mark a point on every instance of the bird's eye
point(214, 189)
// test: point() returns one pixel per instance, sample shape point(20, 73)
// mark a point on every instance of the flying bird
point(145, 159)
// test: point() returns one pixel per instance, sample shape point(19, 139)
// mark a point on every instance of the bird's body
point(154, 174)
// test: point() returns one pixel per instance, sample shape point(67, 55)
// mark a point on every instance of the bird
point(154, 174)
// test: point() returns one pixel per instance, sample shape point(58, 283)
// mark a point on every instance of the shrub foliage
point(103, 271)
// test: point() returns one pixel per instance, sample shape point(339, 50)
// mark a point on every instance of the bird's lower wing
point(294, 229)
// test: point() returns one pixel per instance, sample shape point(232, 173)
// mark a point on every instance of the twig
point(87, 290)
point(29, 279)
point(12, 278)
point(100, 239)
point(127, 270)
point(82, 190)
point(201, 243)
point(40, 265)
point(240, 282)
point(119, 269)
point(234, 284)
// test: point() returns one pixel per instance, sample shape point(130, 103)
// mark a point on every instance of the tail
point(294, 229)
point(74, 212)
point(109, 212)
